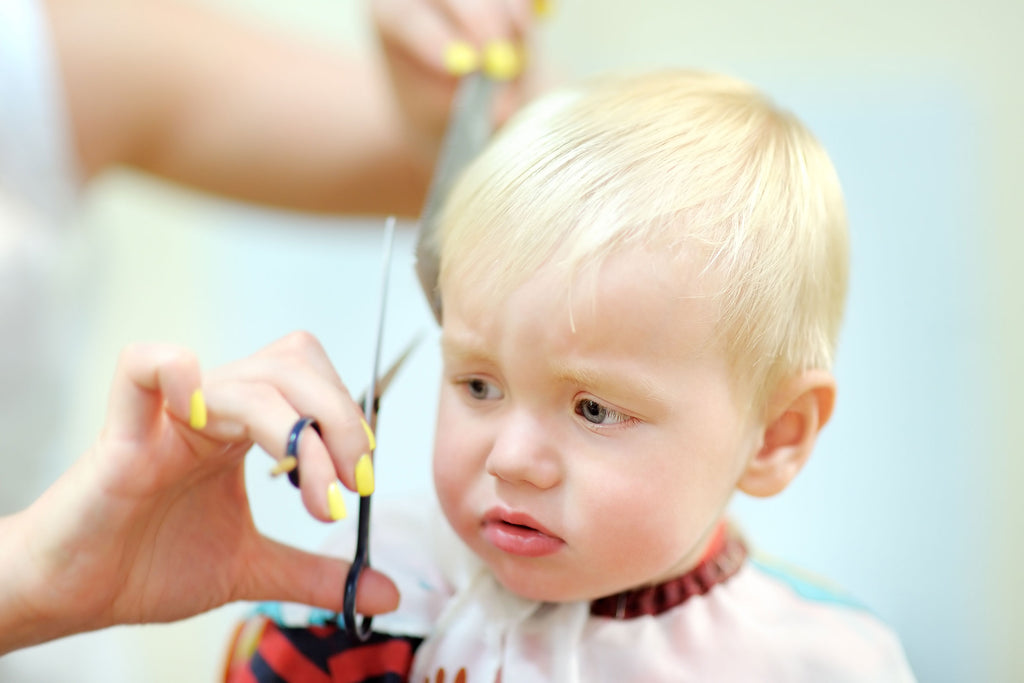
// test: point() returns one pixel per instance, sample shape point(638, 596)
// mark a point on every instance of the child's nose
point(524, 452)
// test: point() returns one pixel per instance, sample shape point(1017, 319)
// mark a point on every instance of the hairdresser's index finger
point(147, 377)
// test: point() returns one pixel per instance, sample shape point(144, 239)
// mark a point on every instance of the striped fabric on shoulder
point(263, 652)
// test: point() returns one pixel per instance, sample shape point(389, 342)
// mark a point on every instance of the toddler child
point(642, 282)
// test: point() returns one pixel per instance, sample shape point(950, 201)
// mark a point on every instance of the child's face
point(579, 463)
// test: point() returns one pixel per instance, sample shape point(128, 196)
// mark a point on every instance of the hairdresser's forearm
point(326, 138)
point(187, 94)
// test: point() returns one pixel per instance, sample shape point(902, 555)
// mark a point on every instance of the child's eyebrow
point(616, 383)
point(462, 347)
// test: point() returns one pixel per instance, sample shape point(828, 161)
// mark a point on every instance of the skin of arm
point(19, 625)
point(199, 99)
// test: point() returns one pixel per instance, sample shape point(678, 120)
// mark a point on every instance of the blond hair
point(671, 160)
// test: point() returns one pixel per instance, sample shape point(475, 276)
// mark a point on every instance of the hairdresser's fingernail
point(502, 60)
point(197, 410)
point(286, 464)
point(461, 58)
point(542, 8)
point(335, 502)
point(364, 475)
point(369, 435)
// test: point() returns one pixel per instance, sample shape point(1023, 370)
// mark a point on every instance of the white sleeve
point(37, 162)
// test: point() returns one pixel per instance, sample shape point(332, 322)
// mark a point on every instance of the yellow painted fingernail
point(369, 435)
point(286, 464)
point(542, 8)
point(197, 410)
point(364, 475)
point(335, 502)
point(461, 58)
point(502, 60)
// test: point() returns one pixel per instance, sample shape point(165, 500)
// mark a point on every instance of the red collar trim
point(725, 555)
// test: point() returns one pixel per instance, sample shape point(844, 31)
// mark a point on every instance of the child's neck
point(722, 558)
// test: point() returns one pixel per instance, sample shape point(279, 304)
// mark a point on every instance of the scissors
point(371, 404)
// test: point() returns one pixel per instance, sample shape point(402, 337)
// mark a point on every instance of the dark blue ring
point(292, 448)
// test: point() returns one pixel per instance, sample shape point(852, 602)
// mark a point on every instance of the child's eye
point(596, 413)
point(482, 390)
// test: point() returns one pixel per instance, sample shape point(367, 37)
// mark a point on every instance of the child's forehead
point(571, 274)
point(592, 293)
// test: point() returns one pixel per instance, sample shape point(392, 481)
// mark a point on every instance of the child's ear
point(797, 411)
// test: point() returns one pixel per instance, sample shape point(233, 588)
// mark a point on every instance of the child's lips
point(519, 534)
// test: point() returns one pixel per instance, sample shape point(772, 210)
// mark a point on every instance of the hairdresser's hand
point(153, 522)
point(429, 44)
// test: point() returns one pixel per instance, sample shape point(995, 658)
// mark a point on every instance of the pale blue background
point(891, 505)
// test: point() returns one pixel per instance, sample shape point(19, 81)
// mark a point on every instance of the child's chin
point(535, 586)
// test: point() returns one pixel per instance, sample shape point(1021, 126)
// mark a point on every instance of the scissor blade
point(469, 127)
point(370, 405)
point(384, 381)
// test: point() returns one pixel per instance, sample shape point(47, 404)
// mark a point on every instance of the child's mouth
point(518, 534)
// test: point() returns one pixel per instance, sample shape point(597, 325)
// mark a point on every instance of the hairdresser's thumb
point(287, 574)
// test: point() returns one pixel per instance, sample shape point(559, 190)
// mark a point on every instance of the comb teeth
point(469, 128)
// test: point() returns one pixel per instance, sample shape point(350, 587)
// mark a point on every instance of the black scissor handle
point(360, 628)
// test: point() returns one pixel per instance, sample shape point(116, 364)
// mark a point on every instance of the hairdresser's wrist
point(23, 622)
point(43, 595)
